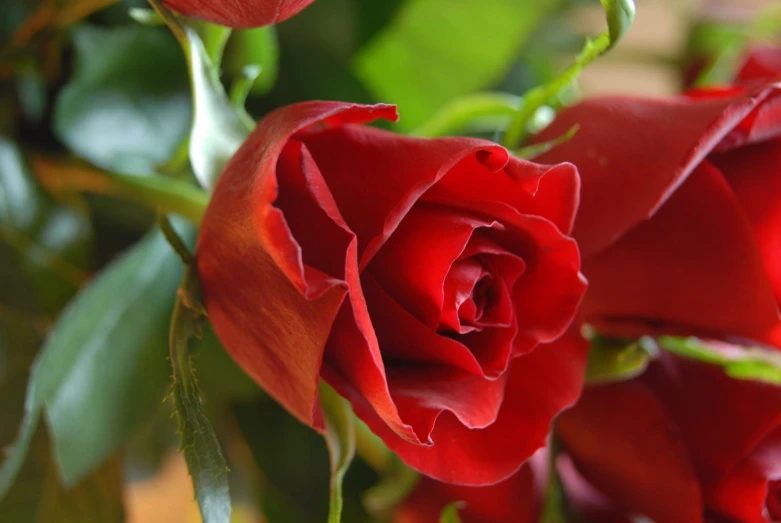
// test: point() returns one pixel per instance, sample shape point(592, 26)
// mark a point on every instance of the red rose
point(415, 276)
point(679, 230)
point(681, 442)
point(239, 13)
point(680, 211)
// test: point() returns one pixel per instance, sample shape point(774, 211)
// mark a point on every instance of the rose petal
point(407, 166)
point(584, 498)
point(405, 339)
point(774, 500)
point(539, 386)
point(623, 442)
point(662, 141)
point(754, 174)
point(531, 188)
point(695, 265)
point(246, 250)
point(423, 393)
point(721, 419)
point(414, 263)
point(510, 501)
point(239, 14)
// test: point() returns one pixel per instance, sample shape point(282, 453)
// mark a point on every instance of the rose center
point(471, 292)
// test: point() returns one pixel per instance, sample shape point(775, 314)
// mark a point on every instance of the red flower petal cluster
point(680, 231)
point(425, 280)
point(684, 443)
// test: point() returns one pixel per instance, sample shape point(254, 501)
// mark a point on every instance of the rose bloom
point(683, 443)
point(239, 13)
point(423, 279)
point(680, 232)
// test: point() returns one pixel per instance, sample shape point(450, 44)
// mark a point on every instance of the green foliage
point(218, 375)
point(620, 14)
point(14, 12)
point(200, 446)
point(103, 363)
point(45, 245)
point(293, 460)
point(256, 47)
point(420, 61)
point(295, 467)
point(450, 513)
point(384, 497)
point(617, 360)
point(745, 363)
point(120, 109)
point(38, 497)
point(218, 128)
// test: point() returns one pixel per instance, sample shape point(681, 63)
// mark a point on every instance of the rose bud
point(679, 230)
point(423, 279)
point(239, 13)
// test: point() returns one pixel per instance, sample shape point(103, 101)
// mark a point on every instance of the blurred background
point(80, 79)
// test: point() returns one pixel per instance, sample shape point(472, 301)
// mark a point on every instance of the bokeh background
point(649, 61)
point(80, 78)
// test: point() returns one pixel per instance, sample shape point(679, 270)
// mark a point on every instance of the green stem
point(461, 112)
point(553, 504)
point(156, 192)
point(542, 95)
point(174, 240)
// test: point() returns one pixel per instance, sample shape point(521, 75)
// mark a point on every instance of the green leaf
point(242, 85)
point(620, 15)
point(38, 497)
point(31, 90)
point(612, 360)
point(218, 128)
point(340, 438)
point(156, 192)
point(254, 47)
point(293, 460)
point(450, 513)
point(214, 37)
point(739, 362)
point(45, 246)
point(103, 364)
point(436, 50)
point(122, 109)
point(219, 376)
point(201, 448)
